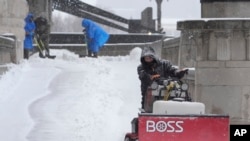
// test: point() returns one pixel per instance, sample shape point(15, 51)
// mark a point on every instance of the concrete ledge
point(191, 24)
point(214, 24)
point(225, 8)
point(6, 42)
point(169, 43)
point(238, 64)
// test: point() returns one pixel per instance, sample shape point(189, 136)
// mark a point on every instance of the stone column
point(12, 14)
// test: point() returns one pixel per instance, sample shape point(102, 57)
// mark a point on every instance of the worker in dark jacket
point(152, 68)
point(42, 37)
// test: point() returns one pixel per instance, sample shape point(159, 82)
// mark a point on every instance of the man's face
point(148, 59)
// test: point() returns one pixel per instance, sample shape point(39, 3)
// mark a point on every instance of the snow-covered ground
point(69, 98)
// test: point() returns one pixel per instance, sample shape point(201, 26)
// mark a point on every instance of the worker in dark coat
point(29, 34)
point(152, 68)
point(96, 37)
point(42, 33)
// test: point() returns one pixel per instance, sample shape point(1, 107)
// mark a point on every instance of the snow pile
point(135, 54)
point(69, 98)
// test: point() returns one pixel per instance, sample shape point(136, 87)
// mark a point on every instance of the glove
point(31, 34)
point(152, 77)
point(181, 73)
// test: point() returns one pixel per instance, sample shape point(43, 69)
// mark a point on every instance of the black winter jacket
point(162, 67)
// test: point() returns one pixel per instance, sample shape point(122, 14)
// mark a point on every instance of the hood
point(41, 21)
point(28, 18)
point(148, 51)
point(86, 23)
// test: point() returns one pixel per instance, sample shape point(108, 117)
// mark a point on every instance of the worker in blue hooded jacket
point(96, 37)
point(29, 34)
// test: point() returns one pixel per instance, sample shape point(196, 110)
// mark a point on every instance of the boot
point(41, 55)
point(95, 55)
point(89, 53)
point(47, 53)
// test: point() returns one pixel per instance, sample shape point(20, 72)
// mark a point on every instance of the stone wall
point(222, 65)
point(12, 13)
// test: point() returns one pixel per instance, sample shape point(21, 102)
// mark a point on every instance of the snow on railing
point(6, 42)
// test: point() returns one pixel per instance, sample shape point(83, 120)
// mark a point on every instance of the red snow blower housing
point(171, 116)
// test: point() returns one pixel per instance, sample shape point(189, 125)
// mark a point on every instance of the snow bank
point(135, 54)
point(69, 98)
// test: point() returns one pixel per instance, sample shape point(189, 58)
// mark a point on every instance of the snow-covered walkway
point(69, 98)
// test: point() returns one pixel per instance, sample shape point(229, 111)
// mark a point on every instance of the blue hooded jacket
point(96, 36)
point(29, 31)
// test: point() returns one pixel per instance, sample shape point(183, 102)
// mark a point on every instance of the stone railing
point(7, 55)
point(118, 44)
point(170, 50)
point(6, 42)
point(117, 49)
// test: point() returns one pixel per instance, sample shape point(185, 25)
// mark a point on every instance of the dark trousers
point(26, 54)
point(143, 100)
